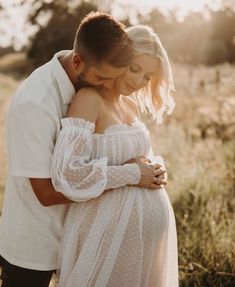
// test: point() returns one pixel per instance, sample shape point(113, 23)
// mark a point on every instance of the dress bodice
point(121, 142)
point(86, 163)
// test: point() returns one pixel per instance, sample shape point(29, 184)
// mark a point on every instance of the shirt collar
point(65, 85)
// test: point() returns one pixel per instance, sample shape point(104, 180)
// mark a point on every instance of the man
point(33, 212)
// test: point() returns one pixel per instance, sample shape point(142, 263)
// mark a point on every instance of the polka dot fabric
point(124, 237)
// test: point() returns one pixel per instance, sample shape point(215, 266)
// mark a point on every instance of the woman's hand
point(152, 175)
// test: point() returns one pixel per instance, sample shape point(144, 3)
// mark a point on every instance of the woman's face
point(137, 75)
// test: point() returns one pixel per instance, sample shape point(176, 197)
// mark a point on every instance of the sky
point(13, 26)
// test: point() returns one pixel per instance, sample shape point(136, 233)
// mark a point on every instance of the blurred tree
point(213, 52)
point(158, 21)
point(189, 35)
point(228, 4)
point(223, 29)
point(197, 39)
point(59, 31)
point(181, 39)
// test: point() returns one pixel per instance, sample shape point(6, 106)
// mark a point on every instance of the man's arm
point(48, 196)
point(45, 192)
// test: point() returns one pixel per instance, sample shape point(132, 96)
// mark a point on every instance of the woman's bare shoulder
point(86, 95)
point(85, 104)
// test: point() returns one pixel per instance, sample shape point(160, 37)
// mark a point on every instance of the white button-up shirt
point(29, 232)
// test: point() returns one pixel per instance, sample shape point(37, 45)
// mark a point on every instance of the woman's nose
point(137, 81)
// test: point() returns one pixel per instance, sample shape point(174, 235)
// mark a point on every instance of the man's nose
point(108, 84)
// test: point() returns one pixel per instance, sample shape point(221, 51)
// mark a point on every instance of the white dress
point(120, 238)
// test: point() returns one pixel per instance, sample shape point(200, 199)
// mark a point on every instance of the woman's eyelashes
point(135, 69)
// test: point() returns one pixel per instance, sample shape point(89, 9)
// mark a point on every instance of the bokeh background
point(197, 140)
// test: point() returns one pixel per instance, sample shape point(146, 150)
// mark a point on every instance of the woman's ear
point(78, 63)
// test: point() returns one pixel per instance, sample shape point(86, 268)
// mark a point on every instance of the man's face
point(104, 75)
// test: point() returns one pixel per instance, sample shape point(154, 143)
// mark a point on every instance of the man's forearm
point(46, 193)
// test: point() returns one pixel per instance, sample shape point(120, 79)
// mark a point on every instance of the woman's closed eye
point(136, 69)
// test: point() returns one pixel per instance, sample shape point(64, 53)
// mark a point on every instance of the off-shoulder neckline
point(118, 127)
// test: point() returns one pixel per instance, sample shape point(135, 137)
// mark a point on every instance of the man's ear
point(78, 63)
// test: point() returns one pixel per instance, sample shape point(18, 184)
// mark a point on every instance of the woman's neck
point(110, 94)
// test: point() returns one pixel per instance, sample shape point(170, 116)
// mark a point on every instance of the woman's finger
point(158, 172)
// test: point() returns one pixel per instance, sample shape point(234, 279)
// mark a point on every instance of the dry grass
point(8, 85)
point(197, 142)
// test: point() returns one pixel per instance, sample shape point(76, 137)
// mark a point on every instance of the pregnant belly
point(135, 211)
point(150, 212)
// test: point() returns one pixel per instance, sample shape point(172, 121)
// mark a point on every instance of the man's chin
point(82, 84)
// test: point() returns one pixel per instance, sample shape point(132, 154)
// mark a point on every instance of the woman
point(124, 237)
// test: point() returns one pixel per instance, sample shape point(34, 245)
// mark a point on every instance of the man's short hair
point(100, 38)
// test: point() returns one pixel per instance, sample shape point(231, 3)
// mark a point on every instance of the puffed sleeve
point(75, 174)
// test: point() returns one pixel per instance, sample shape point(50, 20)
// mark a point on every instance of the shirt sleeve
point(31, 132)
point(75, 174)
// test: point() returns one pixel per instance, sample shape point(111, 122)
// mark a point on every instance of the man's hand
point(152, 175)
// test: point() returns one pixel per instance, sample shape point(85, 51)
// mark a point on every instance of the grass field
point(9, 81)
point(198, 144)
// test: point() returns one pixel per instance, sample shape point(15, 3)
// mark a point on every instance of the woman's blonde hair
point(155, 98)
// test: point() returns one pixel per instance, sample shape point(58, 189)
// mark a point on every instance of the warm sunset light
point(186, 5)
point(117, 136)
point(183, 7)
point(13, 21)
